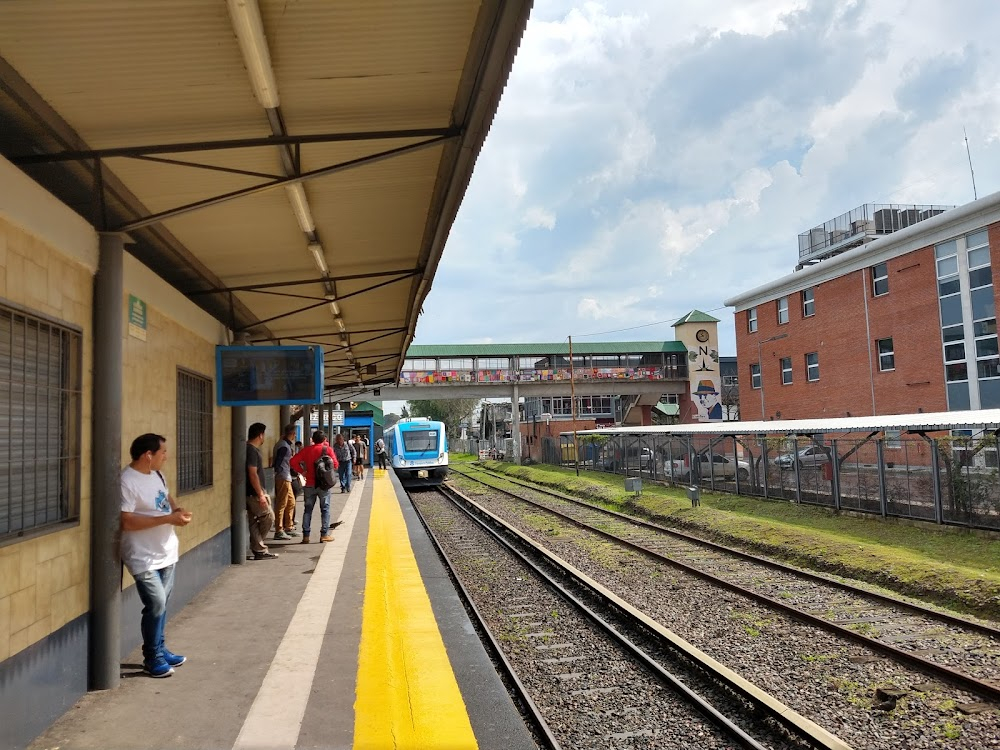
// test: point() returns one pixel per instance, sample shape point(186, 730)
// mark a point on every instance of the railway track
point(963, 652)
point(594, 671)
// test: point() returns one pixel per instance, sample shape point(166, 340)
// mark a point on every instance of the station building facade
point(894, 320)
point(48, 261)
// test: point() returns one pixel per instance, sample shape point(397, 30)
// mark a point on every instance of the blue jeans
point(344, 470)
point(154, 587)
point(311, 494)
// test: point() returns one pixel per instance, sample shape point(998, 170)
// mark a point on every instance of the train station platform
point(357, 643)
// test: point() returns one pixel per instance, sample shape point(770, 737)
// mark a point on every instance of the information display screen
point(248, 375)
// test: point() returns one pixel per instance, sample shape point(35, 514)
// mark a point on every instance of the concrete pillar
point(239, 531)
point(320, 417)
point(106, 465)
point(647, 415)
point(515, 425)
point(285, 416)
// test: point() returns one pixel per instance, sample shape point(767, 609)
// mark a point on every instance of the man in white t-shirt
point(149, 545)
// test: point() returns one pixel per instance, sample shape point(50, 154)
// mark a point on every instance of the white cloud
point(649, 157)
point(537, 217)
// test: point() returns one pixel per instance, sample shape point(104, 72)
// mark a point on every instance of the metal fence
point(945, 479)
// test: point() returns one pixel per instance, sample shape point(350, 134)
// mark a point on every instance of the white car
point(814, 455)
point(718, 465)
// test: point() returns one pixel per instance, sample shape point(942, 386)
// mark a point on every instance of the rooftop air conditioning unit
point(886, 221)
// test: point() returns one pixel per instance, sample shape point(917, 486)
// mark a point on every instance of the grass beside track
point(951, 567)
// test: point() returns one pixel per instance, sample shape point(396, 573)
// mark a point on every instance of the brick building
point(891, 311)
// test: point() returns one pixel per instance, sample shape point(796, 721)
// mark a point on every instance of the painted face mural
point(707, 399)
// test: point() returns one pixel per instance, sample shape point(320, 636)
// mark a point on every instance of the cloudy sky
point(651, 157)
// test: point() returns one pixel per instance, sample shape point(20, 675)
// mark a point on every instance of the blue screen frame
point(314, 395)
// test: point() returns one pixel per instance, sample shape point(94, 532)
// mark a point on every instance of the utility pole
point(572, 406)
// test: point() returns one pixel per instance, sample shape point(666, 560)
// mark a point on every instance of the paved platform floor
point(361, 642)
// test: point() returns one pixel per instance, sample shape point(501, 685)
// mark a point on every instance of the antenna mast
point(972, 172)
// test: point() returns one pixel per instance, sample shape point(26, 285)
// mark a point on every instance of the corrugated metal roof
point(933, 422)
point(101, 74)
point(531, 350)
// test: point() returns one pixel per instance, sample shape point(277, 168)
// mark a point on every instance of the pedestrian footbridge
point(636, 368)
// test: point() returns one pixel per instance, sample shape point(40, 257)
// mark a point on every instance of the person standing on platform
point(260, 515)
point(149, 546)
point(284, 495)
point(304, 462)
point(344, 452)
point(359, 457)
point(381, 453)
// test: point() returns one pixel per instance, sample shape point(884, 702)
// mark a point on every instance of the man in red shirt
point(304, 462)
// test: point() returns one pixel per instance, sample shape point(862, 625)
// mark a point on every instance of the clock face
point(702, 335)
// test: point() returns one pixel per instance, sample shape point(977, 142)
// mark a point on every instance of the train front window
point(417, 441)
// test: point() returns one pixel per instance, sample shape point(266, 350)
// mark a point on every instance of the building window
point(418, 365)
point(755, 376)
point(812, 366)
point(808, 303)
point(786, 370)
point(484, 363)
point(782, 310)
point(194, 431)
point(880, 279)
point(752, 320)
point(886, 356)
point(730, 381)
point(457, 363)
point(40, 382)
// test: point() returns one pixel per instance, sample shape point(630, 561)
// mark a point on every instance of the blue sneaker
point(174, 660)
point(157, 668)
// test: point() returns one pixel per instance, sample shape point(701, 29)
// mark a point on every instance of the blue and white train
point(418, 451)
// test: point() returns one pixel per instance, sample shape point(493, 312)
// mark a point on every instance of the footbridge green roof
point(532, 350)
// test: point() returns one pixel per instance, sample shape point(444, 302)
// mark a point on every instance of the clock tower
point(699, 332)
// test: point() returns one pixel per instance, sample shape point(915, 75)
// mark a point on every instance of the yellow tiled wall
point(44, 579)
point(149, 404)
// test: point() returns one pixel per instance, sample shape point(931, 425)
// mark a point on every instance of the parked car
point(718, 465)
point(814, 455)
point(642, 457)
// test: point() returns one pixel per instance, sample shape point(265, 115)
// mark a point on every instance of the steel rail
point(974, 684)
point(541, 726)
point(946, 617)
point(801, 727)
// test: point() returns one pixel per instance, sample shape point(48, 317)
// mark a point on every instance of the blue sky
point(651, 157)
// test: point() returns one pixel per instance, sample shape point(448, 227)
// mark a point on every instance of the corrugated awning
point(294, 168)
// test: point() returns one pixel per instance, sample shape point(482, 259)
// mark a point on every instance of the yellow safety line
point(407, 695)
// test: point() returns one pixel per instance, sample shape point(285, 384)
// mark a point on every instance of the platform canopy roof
point(979, 419)
point(293, 167)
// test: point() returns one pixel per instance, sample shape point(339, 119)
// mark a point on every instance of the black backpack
point(326, 477)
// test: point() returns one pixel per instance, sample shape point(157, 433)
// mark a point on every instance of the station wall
point(48, 258)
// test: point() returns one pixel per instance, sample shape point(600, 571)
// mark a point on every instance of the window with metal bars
point(194, 431)
point(40, 383)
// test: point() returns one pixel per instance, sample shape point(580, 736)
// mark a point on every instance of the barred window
point(40, 383)
point(194, 431)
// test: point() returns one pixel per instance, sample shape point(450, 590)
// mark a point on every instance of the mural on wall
point(708, 401)
point(699, 333)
